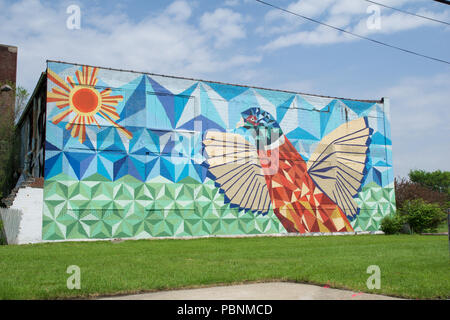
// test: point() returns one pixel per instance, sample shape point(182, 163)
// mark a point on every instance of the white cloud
point(397, 21)
point(310, 8)
point(321, 35)
point(179, 10)
point(346, 14)
point(224, 24)
point(419, 123)
point(168, 41)
point(278, 22)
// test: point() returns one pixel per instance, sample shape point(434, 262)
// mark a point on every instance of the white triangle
point(174, 85)
point(317, 203)
point(287, 176)
point(192, 109)
point(265, 104)
point(317, 102)
point(289, 121)
point(293, 198)
point(305, 190)
point(276, 184)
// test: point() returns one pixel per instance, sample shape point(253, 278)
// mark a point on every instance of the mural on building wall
point(141, 155)
point(306, 197)
point(83, 100)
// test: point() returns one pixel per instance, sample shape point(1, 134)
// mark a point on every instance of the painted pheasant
point(258, 166)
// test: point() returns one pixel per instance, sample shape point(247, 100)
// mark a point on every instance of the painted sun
point(84, 102)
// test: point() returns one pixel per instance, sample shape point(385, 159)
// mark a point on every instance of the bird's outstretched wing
point(234, 165)
point(337, 164)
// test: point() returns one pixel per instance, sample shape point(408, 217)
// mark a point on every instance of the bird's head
point(262, 126)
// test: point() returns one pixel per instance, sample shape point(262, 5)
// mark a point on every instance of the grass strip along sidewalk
point(411, 266)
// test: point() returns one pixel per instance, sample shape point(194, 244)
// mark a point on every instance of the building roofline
point(30, 100)
point(7, 46)
point(224, 83)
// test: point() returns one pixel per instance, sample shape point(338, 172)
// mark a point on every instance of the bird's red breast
point(297, 202)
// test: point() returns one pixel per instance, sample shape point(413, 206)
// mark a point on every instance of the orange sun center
point(85, 100)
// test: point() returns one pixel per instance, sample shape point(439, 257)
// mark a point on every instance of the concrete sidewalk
point(256, 291)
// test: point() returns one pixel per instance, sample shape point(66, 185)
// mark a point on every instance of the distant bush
point(437, 180)
point(392, 224)
point(406, 190)
point(422, 216)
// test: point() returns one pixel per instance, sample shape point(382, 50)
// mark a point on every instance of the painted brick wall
point(23, 220)
point(131, 155)
point(8, 63)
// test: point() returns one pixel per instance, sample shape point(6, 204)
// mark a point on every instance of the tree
point(437, 180)
point(422, 216)
point(406, 190)
point(11, 105)
point(21, 101)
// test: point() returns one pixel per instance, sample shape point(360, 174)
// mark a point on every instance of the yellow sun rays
point(81, 98)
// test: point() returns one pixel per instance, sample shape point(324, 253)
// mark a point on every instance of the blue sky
point(244, 42)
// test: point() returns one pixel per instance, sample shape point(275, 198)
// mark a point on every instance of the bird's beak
point(241, 123)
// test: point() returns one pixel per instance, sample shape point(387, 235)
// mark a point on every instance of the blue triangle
point(299, 133)
point(283, 108)
point(109, 139)
point(167, 169)
point(53, 166)
point(49, 147)
point(206, 124)
point(79, 162)
point(227, 91)
point(136, 168)
point(326, 116)
point(66, 136)
point(381, 164)
point(184, 173)
point(275, 99)
point(136, 102)
point(149, 166)
point(182, 100)
point(358, 106)
point(120, 168)
point(102, 169)
point(201, 170)
point(166, 98)
point(378, 138)
point(209, 107)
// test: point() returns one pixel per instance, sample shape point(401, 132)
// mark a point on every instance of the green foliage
point(9, 139)
point(437, 180)
point(392, 224)
point(406, 190)
point(422, 216)
point(2, 236)
point(22, 96)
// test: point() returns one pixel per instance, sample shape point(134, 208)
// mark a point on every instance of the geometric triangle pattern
point(375, 203)
point(130, 208)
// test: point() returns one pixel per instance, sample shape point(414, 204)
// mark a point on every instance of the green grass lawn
point(443, 227)
point(411, 266)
